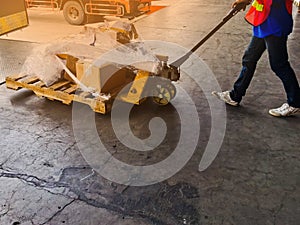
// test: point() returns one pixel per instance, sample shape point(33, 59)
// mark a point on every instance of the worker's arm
point(245, 2)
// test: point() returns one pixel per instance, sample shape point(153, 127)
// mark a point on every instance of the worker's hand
point(242, 2)
point(297, 3)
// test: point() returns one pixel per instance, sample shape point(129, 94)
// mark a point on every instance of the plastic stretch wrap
point(92, 45)
point(134, 55)
point(43, 64)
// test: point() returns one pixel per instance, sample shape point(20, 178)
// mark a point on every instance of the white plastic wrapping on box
point(100, 47)
point(42, 63)
point(134, 54)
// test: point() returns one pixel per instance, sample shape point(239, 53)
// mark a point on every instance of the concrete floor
point(45, 177)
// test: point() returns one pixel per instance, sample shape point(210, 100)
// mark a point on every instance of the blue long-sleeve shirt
point(279, 22)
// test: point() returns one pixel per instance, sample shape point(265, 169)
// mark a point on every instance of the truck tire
point(74, 13)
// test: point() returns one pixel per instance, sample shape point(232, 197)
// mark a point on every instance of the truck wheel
point(73, 13)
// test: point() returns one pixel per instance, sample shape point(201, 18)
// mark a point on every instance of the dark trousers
point(278, 57)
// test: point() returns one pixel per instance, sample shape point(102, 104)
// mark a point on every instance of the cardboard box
point(104, 79)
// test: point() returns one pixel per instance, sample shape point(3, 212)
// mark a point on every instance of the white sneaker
point(284, 110)
point(225, 96)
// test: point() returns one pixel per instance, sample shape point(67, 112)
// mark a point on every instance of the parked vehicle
point(77, 11)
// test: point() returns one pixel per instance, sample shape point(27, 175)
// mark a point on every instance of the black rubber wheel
point(73, 13)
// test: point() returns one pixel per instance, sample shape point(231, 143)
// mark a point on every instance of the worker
point(272, 23)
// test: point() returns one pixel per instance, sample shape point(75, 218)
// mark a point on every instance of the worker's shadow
point(139, 116)
point(21, 97)
point(25, 100)
point(135, 122)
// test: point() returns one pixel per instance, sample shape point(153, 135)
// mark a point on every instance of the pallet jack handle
point(230, 14)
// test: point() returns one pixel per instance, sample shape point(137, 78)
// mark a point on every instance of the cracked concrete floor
point(253, 181)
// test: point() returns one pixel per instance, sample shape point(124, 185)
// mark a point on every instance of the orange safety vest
point(260, 10)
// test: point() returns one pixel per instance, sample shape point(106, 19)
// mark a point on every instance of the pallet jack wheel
point(163, 93)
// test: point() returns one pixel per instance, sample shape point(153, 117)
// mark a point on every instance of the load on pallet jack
point(140, 84)
point(139, 81)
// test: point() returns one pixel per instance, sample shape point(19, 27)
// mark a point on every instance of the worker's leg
point(251, 56)
point(278, 56)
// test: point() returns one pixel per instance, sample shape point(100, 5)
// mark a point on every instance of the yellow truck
point(76, 12)
point(13, 16)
